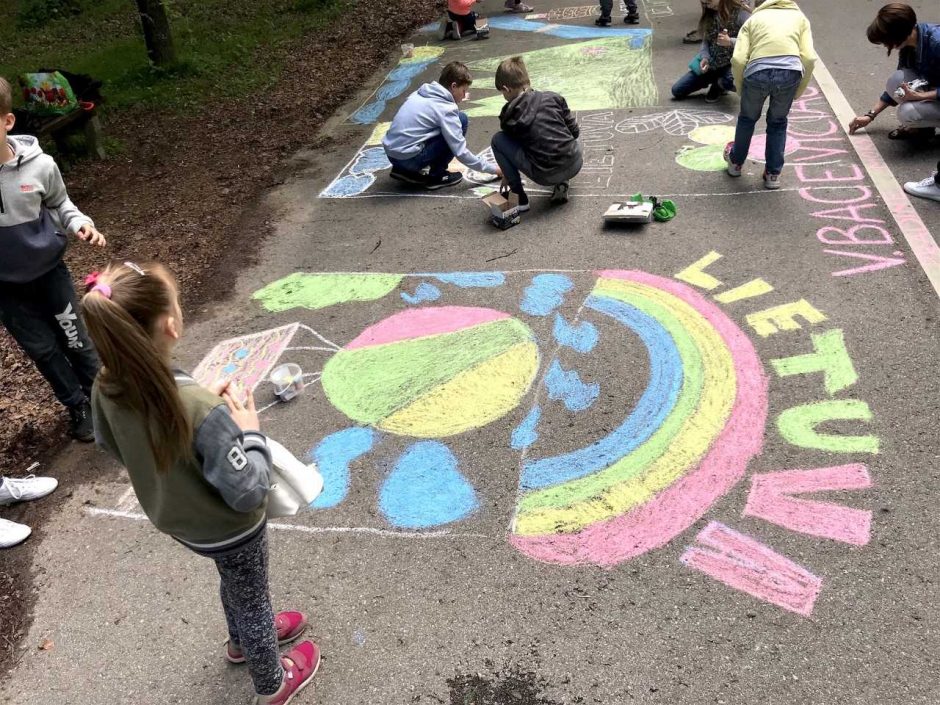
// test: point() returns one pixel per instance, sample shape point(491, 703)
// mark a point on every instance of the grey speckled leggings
point(247, 605)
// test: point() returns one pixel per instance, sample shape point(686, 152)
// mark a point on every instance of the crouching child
point(538, 135)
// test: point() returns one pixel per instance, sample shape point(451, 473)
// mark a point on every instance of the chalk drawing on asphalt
point(396, 83)
point(512, 359)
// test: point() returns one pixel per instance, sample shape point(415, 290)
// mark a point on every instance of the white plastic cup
point(407, 50)
point(288, 381)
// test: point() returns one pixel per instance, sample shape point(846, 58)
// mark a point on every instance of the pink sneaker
point(300, 665)
point(289, 626)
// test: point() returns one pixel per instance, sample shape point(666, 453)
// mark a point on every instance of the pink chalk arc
point(674, 509)
point(424, 322)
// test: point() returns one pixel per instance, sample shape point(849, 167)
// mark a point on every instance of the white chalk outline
point(277, 526)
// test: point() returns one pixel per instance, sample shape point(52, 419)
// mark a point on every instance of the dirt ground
point(185, 191)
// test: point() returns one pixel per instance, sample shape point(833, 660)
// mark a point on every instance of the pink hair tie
point(102, 289)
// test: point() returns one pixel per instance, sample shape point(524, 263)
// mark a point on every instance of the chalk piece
point(629, 212)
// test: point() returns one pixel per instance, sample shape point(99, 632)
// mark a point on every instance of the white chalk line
point(912, 227)
point(277, 526)
point(613, 196)
point(335, 347)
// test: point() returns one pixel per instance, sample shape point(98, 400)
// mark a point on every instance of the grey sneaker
point(771, 181)
point(733, 169)
point(924, 189)
point(12, 533)
point(22, 489)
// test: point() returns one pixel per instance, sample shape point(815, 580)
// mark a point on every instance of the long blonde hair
point(121, 313)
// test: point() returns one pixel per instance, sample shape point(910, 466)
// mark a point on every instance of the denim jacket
point(924, 59)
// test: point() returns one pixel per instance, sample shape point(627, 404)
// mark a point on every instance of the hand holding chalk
point(724, 40)
point(241, 404)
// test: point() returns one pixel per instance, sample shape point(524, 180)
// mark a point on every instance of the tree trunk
point(157, 34)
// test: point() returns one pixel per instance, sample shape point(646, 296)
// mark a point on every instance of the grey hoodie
point(428, 112)
point(35, 212)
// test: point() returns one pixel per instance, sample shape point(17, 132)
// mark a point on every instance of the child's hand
point(220, 386)
point(724, 39)
point(243, 412)
point(703, 64)
point(87, 233)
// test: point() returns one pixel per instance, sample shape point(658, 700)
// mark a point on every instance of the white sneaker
point(25, 488)
point(12, 533)
point(924, 189)
point(771, 181)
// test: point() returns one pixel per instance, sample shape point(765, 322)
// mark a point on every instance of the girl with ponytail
point(197, 460)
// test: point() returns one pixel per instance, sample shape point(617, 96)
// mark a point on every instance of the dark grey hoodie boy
point(541, 123)
point(35, 212)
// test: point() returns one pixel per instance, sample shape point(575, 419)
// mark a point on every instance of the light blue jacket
point(428, 112)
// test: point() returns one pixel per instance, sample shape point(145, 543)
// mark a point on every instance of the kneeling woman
point(711, 67)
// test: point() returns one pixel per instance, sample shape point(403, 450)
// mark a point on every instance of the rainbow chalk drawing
point(688, 441)
point(247, 359)
point(434, 372)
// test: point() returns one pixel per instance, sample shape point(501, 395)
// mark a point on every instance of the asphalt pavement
point(686, 462)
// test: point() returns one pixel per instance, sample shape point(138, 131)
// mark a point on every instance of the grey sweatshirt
point(428, 112)
point(35, 212)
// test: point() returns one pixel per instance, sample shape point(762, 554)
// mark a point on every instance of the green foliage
point(33, 14)
point(225, 47)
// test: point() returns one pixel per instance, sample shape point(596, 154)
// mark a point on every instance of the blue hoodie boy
point(430, 112)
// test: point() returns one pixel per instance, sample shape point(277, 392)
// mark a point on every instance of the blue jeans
point(691, 82)
point(780, 86)
point(511, 159)
point(466, 23)
point(435, 154)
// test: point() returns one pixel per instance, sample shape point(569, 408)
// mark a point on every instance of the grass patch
point(226, 48)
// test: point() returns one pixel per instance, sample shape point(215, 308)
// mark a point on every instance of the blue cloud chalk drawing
point(426, 489)
point(568, 387)
point(423, 292)
point(333, 455)
point(525, 434)
point(361, 174)
point(581, 337)
point(545, 294)
point(471, 280)
point(395, 84)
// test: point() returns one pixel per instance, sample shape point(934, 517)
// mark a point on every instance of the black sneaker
point(449, 178)
point(80, 424)
point(631, 18)
point(602, 21)
point(560, 193)
point(523, 200)
point(715, 92)
point(409, 177)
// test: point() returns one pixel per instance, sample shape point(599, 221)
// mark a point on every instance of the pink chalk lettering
point(834, 129)
point(849, 237)
point(816, 153)
point(852, 213)
point(809, 193)
point(878, 262)
point(745, 564)
point(828, 175)
point(771, 499)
